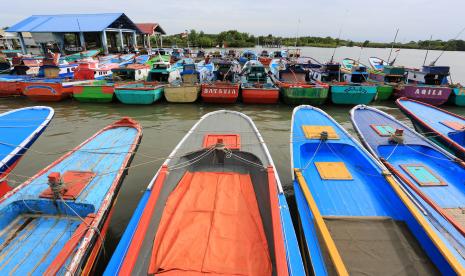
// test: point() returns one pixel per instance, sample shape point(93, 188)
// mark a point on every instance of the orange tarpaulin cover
point(211, 224)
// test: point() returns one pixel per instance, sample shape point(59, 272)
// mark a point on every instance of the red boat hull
point(220, 92)
point(260, 96)
point(46, 92)
point(10, 88)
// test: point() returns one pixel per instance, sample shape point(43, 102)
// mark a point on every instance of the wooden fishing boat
point(442, 126)
point(91, 69)
point(24, 65)
point(356, 218)
point(429, 85)
point(265, 58)
point(189, 73)
point(457, 96)
point(355, 88)
point(220, 92)
point(49, 90)
point(99, 91)
point(19, 129)
point(81, 55)
point(218, 190)
point(163, 72)
point(256, 85)
point(182, 93)
point(385, 76)
point(139, 92)
point(54, 67)
point(55, 222)
point(160, 55)
point(432, 175)
point(131, 72)
point(247, 55)
point(296, 89)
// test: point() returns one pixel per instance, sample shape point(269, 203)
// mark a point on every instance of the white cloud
point(360, 19)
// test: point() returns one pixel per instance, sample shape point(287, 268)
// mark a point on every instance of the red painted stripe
point(69, 247)
point(90, 263)
point(428, 200)
point(143, 225)
point(280, 253)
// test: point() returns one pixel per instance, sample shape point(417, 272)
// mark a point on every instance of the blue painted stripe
point(123, 245)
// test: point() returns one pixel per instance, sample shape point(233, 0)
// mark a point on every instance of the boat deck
point(31, 242)
point(377, 246)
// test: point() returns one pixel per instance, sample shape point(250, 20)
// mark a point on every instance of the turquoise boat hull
point(353, 94)
point(139, 94)
point(458, 96)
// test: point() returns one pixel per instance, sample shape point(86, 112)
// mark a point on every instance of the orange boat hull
point(10, 88)
point(46, 92)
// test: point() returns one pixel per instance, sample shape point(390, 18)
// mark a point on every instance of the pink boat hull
point(434, 95)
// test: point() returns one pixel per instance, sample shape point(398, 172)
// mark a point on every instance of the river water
point(164, 125)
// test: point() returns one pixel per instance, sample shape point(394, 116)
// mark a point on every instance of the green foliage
point(234, 38)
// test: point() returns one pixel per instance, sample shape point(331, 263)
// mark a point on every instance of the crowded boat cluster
point(390, 205)
point(220, 76)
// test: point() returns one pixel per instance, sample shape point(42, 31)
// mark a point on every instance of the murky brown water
point(163, 125)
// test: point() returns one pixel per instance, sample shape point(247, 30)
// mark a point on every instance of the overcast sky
point(360, 19)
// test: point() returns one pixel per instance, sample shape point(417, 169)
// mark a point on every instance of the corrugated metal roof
point(67, 23)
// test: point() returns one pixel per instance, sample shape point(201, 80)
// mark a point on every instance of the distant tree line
point(234, 38)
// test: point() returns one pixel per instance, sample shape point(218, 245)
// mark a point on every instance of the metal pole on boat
point(335, 47)
point(427, 49)
point(297, 34)
point(392, 45)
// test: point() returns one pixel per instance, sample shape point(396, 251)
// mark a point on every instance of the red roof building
point(148, 30)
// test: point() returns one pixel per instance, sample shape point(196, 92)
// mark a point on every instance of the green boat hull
point(94, 93)
point(353, 94)
point(132, 96)
point(458, 96)
point(304, 95)
point(384, 92)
